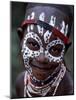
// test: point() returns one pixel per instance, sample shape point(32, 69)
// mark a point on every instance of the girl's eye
point(56, 50)
point(32, 44)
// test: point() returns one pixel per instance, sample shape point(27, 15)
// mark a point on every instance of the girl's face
point(42, 51)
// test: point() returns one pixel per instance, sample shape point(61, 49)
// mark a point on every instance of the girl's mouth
point(41, 71)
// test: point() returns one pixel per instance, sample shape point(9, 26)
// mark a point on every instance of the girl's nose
point(42, 59)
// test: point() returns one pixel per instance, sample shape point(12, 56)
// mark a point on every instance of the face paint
point(62, 27)
point(28, 53)
point(50, 56)
point(47, 36)
point(28, 28)
point(32, 16)
point(42, 37)
point(42, 18)
point(52, 21)
point(66, 30)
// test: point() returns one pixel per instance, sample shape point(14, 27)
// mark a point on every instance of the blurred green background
point(17, 13)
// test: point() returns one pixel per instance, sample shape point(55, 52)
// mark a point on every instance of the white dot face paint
point(28, 53)
point(50, 56)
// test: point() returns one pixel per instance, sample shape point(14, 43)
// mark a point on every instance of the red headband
point(55, 31)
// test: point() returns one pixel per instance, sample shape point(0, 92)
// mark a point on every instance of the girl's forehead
point(44, 11)
point(49, 15)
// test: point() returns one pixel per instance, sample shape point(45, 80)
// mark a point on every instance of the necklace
point(42, 89)
point(37, 82)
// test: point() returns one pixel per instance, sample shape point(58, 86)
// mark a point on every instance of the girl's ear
point(20, 33)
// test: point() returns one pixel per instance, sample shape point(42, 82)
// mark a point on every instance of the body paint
point(27, 53)
point(66, 30)
point(62, 27)
point(42, 18)
point(47, 36)
point(32, 17)
point(30, 27)
point(51, 57)
point(52, 21)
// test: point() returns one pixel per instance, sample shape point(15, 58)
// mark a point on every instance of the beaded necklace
point(30, 88)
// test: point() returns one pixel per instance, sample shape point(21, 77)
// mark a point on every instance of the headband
point(46, 26)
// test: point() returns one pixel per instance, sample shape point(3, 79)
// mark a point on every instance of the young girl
point(45, 39)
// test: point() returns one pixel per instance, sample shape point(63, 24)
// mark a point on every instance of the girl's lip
point(40, 72)
point(39, 67)
point(43, 68)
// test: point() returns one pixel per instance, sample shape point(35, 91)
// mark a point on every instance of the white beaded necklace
point(43, 90)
